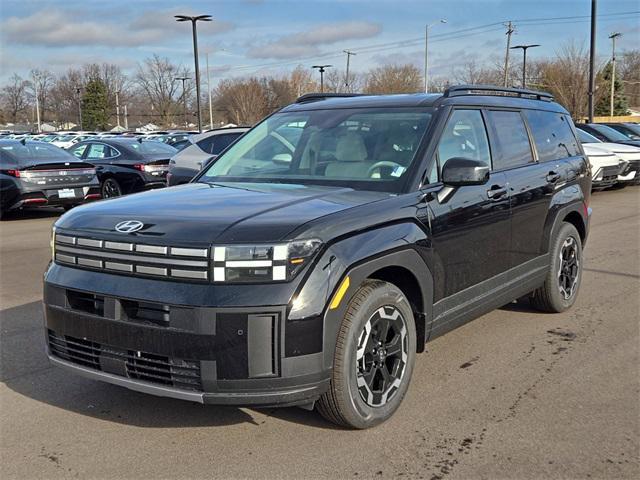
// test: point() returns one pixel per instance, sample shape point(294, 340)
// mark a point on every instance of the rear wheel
point(374, 358)
point(110, 188)
point(561, 286)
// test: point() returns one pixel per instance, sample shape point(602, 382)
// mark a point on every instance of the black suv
point(310, 268)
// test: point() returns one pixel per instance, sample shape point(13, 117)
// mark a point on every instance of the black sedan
point(126, 165)
point(605, 133)
point(38, 174)
point(629, 130)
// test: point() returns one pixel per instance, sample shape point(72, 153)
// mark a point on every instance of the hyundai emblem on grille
point(129, 226)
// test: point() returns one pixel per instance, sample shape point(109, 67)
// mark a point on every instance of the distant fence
point(619, 119)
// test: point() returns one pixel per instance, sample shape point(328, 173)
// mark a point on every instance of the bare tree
point(14, 97)
point(156, 78)
point(246, 101)
point(629, 69)
point(42, 82)
point(394, 79)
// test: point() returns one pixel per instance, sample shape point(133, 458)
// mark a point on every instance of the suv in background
point(605, 133)
point(205, 146)
point(310, 263)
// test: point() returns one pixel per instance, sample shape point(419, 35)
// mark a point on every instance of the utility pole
point(126, 118)
point(592, 60)
point(184, 101)
point(117, 109)
point(524, 60)
point(35, 86)
point(78, 90)
point(209, 88)
point(613, 37)
point(194, 20)
point(510, 31)
point(321, 69)
point(426, 54)
point(346, 77)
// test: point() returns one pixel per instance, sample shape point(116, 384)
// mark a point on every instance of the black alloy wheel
point(111, 188)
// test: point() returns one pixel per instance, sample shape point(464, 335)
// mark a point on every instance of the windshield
point(585, 137)
point(152, 148)
point(366, 149)
point(610, 133)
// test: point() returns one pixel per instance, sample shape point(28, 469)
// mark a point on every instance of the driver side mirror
point(458, 171)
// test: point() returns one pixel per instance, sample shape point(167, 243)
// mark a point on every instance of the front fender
point(359, 256)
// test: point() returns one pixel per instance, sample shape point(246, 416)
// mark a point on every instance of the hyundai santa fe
point(311, 262)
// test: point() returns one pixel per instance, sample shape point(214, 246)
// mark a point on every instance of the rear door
point(471, 227)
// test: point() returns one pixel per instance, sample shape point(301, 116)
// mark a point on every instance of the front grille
point(609, 173)
point(148, 367)
point(136, 259)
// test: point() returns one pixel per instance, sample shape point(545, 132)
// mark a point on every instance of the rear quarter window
point(511, 147)
point(552, 135)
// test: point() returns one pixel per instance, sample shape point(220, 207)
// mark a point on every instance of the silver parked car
point(204, 147)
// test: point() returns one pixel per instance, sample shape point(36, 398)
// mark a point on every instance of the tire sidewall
point(359, 413)
point(567, 230)
point(115, 182)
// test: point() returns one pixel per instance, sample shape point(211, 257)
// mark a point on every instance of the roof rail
point(312, 97)
point(459, 90)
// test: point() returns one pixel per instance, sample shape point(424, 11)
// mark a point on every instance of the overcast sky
point(269, 36)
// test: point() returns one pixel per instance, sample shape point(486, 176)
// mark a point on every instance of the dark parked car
point(204, 148)
point(126, 165)
point(37, 174)
point(605, 133)
point(629, 130)
point(314, 275)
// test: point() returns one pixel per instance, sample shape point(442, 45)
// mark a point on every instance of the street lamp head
point(524, 47)
point(443, 20)
point(615, 35)
point(187, 18)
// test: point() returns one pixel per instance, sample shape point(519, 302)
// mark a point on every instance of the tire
point(560, 289)
point(110, 188)
point(374, 305)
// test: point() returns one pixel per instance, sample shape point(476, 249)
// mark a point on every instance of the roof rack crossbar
point(460, 90)
point(310, 97)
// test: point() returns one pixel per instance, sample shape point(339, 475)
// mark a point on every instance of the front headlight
point(262, 263)
point(52, 243)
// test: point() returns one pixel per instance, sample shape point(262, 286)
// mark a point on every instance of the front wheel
point(560, 289)
point(110, 188)
point(374, 358)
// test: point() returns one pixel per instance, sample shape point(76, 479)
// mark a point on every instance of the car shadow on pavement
point(25, 370)
point(31, 214)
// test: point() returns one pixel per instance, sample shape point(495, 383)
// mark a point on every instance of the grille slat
point(138, 259)
point(142, 366)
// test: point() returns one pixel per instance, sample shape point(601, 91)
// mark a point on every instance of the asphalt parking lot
point(514, 394)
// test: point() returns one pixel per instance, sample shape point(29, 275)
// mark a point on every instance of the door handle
point(496, 192)
point(553, 177)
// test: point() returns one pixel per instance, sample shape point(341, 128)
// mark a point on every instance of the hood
point(600, 157)
point(200, 213)
point(616, 147)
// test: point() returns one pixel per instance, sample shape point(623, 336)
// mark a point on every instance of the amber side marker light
point(337, 298)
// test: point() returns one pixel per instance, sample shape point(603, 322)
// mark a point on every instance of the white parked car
point(68, 140)
point(628, 155)
point(605, 166)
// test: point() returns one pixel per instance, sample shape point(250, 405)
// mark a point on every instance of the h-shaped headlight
point(278, 262)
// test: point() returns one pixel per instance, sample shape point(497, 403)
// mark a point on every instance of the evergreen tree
point(620, 103)
point(95, 106)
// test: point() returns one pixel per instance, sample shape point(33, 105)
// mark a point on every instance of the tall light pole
point(426, 53)
point(194, 20)
point(209, 91)
point(321, 69)
point(524, 60)
point(613, 37)
point(78, 91)
point(592, 60)
point(118, 109)
point(346, 76)
point(35, 87)
point(184, 101)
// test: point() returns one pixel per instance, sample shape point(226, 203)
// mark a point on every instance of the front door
point(471, 224)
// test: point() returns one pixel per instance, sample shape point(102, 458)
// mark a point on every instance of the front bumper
point(631, 173)
point(249, 356)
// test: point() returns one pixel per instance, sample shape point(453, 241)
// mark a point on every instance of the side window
point(79, 150)
point(552, 135)
point(206, 144)
point(223, 141)
point(513, 148)
point(464, 136)
point(98, 151)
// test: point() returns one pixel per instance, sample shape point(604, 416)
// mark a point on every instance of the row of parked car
point(71, 168)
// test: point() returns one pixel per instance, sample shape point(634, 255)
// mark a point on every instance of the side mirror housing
point(458, 171)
